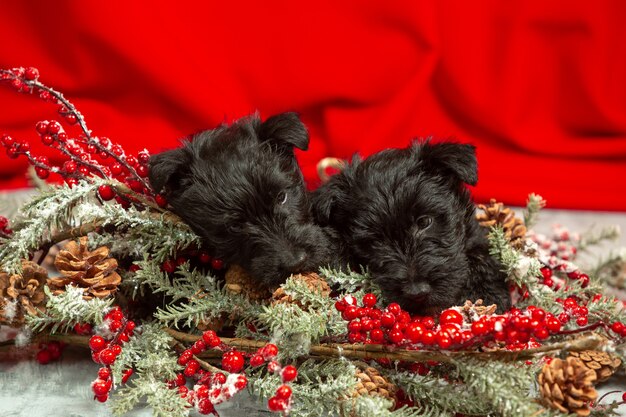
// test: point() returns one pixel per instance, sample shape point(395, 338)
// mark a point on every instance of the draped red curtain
point(539, 87)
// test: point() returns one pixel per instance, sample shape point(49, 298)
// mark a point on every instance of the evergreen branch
point(65, 310)
point(500, 249)
point(186, 285)
point(534, 204)
point(448, 398)
point(351, 281)
point(592, 238)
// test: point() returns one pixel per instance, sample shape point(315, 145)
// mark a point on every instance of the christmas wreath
point(99, 261)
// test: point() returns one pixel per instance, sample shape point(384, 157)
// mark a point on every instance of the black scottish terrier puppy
point(407, 215)
point(239, 187)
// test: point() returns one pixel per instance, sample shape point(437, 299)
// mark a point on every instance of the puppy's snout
point(417, 290)
point(296, 261)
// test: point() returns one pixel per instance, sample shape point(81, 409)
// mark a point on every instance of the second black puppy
point(240, 189)
point(407, 216)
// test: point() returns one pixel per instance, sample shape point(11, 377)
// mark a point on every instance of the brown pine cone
point(568, 386)
point(92, 270)
point(238, 281)
point(312, 280)
point(22, 294)
point(497, 214)
point(473, 311)
point(371, 382)
point(602, 363)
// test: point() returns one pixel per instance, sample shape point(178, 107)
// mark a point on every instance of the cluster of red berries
point(211, 388)
point(105, 350)
point(518, 329)
point(4, 226)
point(82, 157)
point(549, 279)
point(281, 400)
point(202, 257)
point(49, 352)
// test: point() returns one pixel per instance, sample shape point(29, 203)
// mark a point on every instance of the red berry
point(71, 118)
point(256, 360)
point(43, 357)
point(97, 343)
point(219, 378)
point(116, 349)
point(232, 361)
point(69, 167)
point(570, 303)
point(350, 313)
point(42, 173)
point(107, 357)
point(143, 157)
point(169, 266)
point(396, 336)
point(428, 322)
point(47, 140)
point(142, 171)
point(553, 324)
point(241, 382)
point(624, 396)
point(387, 319)
point(369, 300)
point(428, 338)
point(276, 404)
point(269, 351)
point(130, 325)
point(203, 257)
point(546, 272)
point(31, 73)
point(217, 264)
point(564, 318)
point(115, 325)
point(394, 308)
point(541, 333)
point(104, 373)
point(377, 335)
point(8, 140)
point(443, 340)
point(618, 327)
point(479, 328)
point(582, 321)
point(354, 326)
point(185, 357)
point(102, 398)
point(54, 127)
point(584, 280)
point(283, 392)
point(414, 332)
point(42, 127)
point(198, 347)
point(100, 387)
point(289, 373)
point(126, 375)
point(451, 316)
point(106, 192)
point(131, 160)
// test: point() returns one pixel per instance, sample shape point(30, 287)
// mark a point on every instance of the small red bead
point(104, 373)
point(143, 157)
point(185, 357)
point(115, 325)
point(276, 404)
point(126, 375)
point(217, 264)
point(198, 347)
point(546, 273)
point(553, 324)
point(131, 160)
point(107, 357)
point(97, 343)
point(241, 382)
point(54, 127)
point(116, 169)
point(256, 360)
point(106, 192)
point(31, 73)
point(100, 387)
point(414, 332)
point(169, 266)
point(71, 118)
point(289, 373)
point(451, 316)
point(377, 335)
point(44, 357)
point(219, 378)
point(564, 317)
point(102, 398)
point(232, 361)
point(283, 392)
point(350, 313)
point(618, 327)
point(142, 170)
point(269, 351)
point(428, 322)
point(116, 349)
point(584, 280)
point(428, 338)
point(387, 319)
point(354, 326)
point(394, 308)
point(582, 321)
point(203, 257)
point(369, 300)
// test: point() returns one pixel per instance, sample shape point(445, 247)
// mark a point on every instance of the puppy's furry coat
point(407, 216)
point(239, 187)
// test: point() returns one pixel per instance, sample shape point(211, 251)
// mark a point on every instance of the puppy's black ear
point(453, 158)
point(168, 168)
point(328, 199)
point(285, 131)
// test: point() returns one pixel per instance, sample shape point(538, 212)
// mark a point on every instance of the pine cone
point(496, 213)
point(602, 363)
point(473, 311)
point(371, 382)
point(238, 281)
point(22, 294)
point(567, 385)
point(316, 283)
point(92, 270)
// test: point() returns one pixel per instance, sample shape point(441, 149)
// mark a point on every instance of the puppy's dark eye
point(424, 222)
point(282, 198)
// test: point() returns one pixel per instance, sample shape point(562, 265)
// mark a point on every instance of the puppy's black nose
point(297, 261)
point(417, 290)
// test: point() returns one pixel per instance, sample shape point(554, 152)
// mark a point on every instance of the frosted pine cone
point(371, 382)
point(312, 280)
point(498, 214)
point(238, 281)
point(22, 294)
point(94, 271)
point(602, 363)
point(567, 385)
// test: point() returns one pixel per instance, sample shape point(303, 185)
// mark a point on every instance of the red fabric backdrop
point(539, 87)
